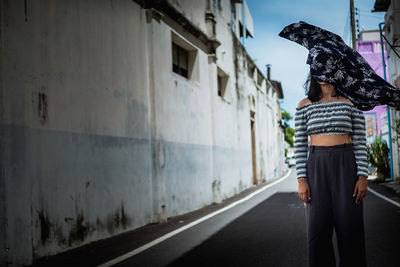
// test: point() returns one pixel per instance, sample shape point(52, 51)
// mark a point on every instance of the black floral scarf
point(332, 61)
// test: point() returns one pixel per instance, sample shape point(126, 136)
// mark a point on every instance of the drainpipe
point(390, 143)
point(387, 107)
point(382, 50)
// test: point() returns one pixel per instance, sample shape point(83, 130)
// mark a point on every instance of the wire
point(372, 16)
point(365, 13)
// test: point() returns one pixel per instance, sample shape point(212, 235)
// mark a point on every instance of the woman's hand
point(304, 190)
point(360, 189)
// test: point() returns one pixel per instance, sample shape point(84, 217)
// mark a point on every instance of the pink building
point(369, 46)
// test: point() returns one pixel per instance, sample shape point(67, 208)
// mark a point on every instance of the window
point(260, 79)
point(222, 79)
point(220, 86)
point(233, 16)
point(218, 4)
point(180, 60)
point(184, 57)
point(240, 29)
point(250, 71)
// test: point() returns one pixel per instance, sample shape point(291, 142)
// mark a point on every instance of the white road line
point(183, 228)
point(385, 198)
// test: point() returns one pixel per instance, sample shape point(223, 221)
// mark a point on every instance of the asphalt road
point(270, 230)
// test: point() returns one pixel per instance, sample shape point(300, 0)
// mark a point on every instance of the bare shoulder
point(345, 99)
point(303, 102)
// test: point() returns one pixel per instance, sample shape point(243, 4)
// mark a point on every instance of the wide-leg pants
point(332, 176)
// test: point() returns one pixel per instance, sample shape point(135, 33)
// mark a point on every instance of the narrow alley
point(268, 229)
point(162, 132)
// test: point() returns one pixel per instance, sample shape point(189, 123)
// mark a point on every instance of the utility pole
point(352, 22)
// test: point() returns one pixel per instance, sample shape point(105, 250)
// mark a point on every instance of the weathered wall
point(192, 10)
point(231, 123)
point(182, 129)
point(77, 160)
point(99, 135)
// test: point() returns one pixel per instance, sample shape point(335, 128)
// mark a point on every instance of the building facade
point(370, 47)
point(391, 29)
point(116, 114)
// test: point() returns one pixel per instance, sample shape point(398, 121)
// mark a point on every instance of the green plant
point(288, 131)
point(378, 156)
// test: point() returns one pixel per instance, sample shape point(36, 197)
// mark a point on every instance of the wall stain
point(236, 49)
point(26, 10)
point(44, 227)
point(79, 230)
point(241, 186)
point(42, 107)
point(58, 233)
point(68, 219)
point(216, 190)
point(125, 220)
point(118, 219)
point(79, 227)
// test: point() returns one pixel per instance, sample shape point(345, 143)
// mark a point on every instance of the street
point(270, 230)
point(157, 133)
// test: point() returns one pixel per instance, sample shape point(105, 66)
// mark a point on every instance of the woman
point(332, 174)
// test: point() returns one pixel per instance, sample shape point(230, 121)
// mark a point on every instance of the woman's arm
point(300, 151)
point(300, 141)
point(359, 141)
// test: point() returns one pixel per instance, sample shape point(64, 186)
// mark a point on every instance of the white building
point(116, 114)
point(392, 34)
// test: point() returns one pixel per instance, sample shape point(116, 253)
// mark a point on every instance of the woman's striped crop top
point(330, 118)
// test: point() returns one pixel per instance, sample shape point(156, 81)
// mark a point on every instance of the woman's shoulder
point(304, 102)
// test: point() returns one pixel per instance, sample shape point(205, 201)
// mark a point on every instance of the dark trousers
point(332, 176)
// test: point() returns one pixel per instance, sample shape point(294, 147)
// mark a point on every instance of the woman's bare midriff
point(330, 140)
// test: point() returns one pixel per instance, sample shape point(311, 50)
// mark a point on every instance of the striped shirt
point(329, 118)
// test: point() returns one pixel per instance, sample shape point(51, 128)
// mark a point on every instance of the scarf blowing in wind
point(332, 61)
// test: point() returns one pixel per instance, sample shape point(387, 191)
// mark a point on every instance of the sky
point(288, 59)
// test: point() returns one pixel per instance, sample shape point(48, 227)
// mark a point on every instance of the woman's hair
point(313, 89)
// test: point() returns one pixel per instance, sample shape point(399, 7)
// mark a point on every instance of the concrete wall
point(99, 136)
point(77, 152)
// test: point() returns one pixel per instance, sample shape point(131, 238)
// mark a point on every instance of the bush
point(378, 157)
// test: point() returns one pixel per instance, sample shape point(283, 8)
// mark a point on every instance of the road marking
point(385, 198)
point(183, 228)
